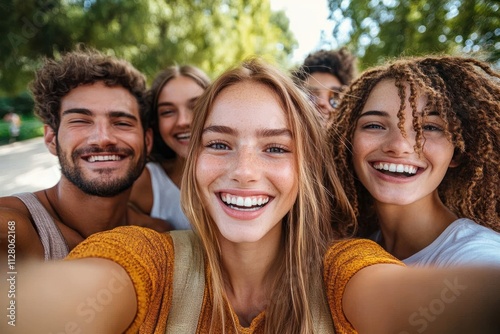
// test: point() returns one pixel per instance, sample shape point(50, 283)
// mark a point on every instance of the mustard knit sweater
point(148, 258)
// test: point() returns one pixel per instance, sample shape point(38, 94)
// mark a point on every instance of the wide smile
point(103, 158)
point(399, 170)
point(183, 137)
point(244, 203)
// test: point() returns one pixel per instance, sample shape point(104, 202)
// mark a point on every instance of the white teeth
point(247, 202)
point(95, 158)
point(396, 168)
point(183, 136)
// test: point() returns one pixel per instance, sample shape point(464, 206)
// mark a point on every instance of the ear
point(50, 138)
point(148, 138)
point(456, 160)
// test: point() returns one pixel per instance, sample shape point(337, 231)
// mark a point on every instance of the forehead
point(99, 98)
point(180, 85)
point(248, 104)
point(320, 80)
point(385, 96)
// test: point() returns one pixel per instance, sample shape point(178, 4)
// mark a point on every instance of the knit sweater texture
point(148, 258)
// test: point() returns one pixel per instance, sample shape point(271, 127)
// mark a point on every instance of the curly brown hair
point(339, 63)
point(56, 78)
point(466, 94)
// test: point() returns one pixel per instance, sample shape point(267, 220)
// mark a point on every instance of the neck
point(174, 169)
point(408, 229)
point(249, 272)
point(83, 213)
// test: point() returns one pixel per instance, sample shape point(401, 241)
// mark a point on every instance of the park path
point(27, 166)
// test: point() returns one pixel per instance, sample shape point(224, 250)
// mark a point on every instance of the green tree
point(381, 29)
point(151, 34)
point(29, 29)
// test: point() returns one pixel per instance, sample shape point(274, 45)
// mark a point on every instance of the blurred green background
point(216, 34)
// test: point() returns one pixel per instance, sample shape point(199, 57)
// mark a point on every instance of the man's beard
point(101, 187)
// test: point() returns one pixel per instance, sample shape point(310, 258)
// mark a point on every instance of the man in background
point(95, 121)
point(325, 74)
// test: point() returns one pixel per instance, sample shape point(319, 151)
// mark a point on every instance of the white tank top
point(166, 198)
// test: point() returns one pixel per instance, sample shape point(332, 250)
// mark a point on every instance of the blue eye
point(277, 149)
point(218, 146)
point(373, 126)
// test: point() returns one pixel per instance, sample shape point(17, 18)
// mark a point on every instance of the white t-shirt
point(462, 243)
point(166, 198)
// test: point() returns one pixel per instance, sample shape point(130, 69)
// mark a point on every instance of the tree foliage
point(381, 29)
point(151, 34)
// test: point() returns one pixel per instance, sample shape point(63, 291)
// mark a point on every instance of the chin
point(240, 235)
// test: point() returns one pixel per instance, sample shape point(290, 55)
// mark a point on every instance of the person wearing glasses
point(261, 257)
point(325, 74)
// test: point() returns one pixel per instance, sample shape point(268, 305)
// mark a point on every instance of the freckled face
point(247, 166)
point(385, 161)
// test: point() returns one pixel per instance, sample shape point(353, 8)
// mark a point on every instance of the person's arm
point(78, 296)
point(19, 239)
point(387, 298)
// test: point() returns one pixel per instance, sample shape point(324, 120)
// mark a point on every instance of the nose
point(397, 144)
point(245, 167)
point(102, 135)
point(323, 105)
point(185, 117)
point(322, 100)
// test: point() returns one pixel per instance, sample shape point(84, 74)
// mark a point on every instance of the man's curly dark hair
point(83, 66)
point(339, 63)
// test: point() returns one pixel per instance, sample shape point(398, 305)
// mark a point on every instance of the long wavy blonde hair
point(309, 225)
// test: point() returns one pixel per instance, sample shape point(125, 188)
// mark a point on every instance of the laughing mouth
point(183, 136)
point(244, 203)
point(99, 158)
point(400, 169)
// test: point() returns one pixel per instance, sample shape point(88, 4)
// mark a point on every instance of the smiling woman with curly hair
point(417, 147)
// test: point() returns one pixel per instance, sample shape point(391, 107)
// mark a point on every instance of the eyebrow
point(332, 88)
point(168, 103)
point(263, 132)
point(111, 114)
point(386, 114)
point(165, 104)
point(375, 113)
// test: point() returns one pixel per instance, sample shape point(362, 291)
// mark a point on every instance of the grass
point(31, 127)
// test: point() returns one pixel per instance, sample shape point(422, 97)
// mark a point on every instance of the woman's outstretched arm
point(79, 296)
point(387, 298)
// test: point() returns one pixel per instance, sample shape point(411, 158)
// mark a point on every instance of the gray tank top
point(53, 242)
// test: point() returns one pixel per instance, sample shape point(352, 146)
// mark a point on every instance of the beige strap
point(189, 283)
point(321, 315)
point(54, 244)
